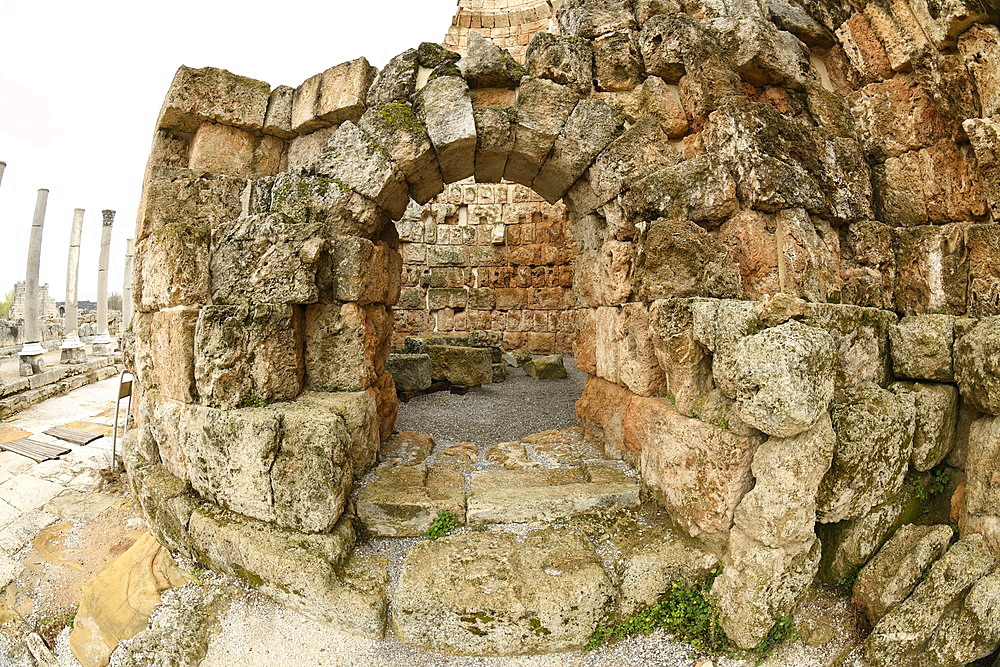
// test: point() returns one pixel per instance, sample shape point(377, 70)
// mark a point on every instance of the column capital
point(109, 217)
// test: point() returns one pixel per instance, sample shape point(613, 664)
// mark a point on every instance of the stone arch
point(707, 160)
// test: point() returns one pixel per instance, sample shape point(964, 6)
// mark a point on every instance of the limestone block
point(752, 241)
point(762, 54)
point(759, 584)
point(922, 347)
point(983, 245)
point(361, 271)
point(782, 378)
point(248, 354)
point(776, 164)
point(591, 126)
point(918, 120)
point(698, 471)
point(932, 269)
point(936, 184)
point(396, 82)
point(305, 196)
point(641, 150)
point(354, 160)
point(861, 341)
point(332, 97)
point(305, 150)
point(494, 142)
point(222, 149)
point(187, 196)
point(462, 366)
point(901, 637)
point(649, 568)
point(977, 365)
point(984, 134)
point(172, 267)
point(670, 44)
point(874, 446)
point(686, 364)
point(679, 258)
point(568, 61)
point(432, 56)
point(898, 31)
point(411, 372)
point(617, 61)
point(486, 65)
point(970, 632)
point(937, 414)
point(781, 508)
point(216, 95)
point(266, 258)
point(848, 545)
point(164, 352)
point(542, 108)
point(397, 129)
point(863, 49)
point(797, 21)
point(699, 189)
point(890, 577)
point(404, 500)
point(278, 118)
point(809, 254)
point(980, 46)
point(315, 576)
point(601, 411)
point(980, 513)
point(943, 22)
point(529, 608)
point(345, 345)
point(386, 403)
point(445, 108)
point(593, 18)
point(549, 367)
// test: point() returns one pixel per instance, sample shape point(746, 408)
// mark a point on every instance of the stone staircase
point(553, 538)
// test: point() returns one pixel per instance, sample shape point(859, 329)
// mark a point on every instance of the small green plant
point(722, 423)
point(198, 575)
point(846, 582)
point(672, 399)
point(442, 525)
point(253, 401)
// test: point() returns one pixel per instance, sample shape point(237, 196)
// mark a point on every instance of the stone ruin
point(785, 288)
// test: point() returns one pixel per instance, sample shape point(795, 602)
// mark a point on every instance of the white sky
point(81, 84)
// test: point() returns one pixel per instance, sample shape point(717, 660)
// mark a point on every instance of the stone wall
point(48, 306)
point(755, 197)
point(510, 24)
point(488, 258)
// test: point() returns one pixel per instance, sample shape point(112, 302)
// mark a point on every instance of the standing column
point(104, 345)
point(31, 352)
point(73, 351)
point(127, 287)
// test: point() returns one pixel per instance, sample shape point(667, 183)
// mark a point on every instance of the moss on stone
point(400, 116)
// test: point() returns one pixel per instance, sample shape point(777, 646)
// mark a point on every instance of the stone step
point(404, 500)
point(524, 496)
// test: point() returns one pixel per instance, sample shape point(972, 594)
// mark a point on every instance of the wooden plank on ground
point(34, 450)
point(76, 436)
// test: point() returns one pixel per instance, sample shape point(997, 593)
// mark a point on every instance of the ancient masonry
point(48, 308)
point(786, 289)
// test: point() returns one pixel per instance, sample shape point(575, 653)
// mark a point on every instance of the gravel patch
point(501, 412)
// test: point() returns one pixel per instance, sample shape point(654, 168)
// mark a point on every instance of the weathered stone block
point(305, 196)
point(188, 197)
point(398, 130)
point(440, 602)
point(549, 367)
point(762, 54)
point(568, 61)
point(686, 364)
point(678, 258)
point(936, 416)
point(361, 271)
point(890, 577)
point(278, 119)
point(411, 372)
point(670, 44)
point(404, 500)
point(494, 142)
point(445, 108)
point(172, 267)
point(462, 366)
point(640, 151)
point(874, 446)
point(216, 95)
point(699, 189)
point(333, 96)
point(982, 242)
point(979, 514)
point(245, 355)
point(396, 82)
point(977, 365)
point(593, 18)
point(164, 352)
point(922, 347)
point(542, 108)
point(486, 65)
point(699, 471)
point(345, 345)
point(932, 269)
point(266, 258)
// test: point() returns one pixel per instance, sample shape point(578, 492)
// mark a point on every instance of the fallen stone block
point(550, 367)
point(461, 366)
point(404, 500)
point(411, 372)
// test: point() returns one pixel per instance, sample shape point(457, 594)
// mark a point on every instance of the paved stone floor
point(27, 487)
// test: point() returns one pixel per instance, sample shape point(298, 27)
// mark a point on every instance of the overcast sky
point(81, 84)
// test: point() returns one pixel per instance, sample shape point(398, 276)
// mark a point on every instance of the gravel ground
point(499, 412)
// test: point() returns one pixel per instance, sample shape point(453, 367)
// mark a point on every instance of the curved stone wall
point(756, 195)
